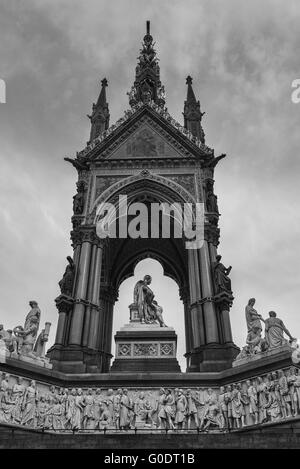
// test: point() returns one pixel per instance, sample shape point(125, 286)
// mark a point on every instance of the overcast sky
point(243, 57)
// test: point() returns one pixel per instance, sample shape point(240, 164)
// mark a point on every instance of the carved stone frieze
point(272, 397)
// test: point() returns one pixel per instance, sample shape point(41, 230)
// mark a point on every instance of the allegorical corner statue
point(274, 332)
point(149, 311)
point(24, 340)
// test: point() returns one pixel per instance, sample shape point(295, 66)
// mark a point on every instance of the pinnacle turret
point(100, 114)
point(192, 113)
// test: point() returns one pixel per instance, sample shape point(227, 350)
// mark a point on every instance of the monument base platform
point(145, 348)
point(262, 437)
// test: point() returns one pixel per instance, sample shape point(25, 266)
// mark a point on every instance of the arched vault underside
point(129, 252)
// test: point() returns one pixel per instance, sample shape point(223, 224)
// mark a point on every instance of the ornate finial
point(189, 80)
point(147, 87)
point(104, 82)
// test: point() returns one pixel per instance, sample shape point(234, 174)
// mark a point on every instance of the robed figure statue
point(149, 311)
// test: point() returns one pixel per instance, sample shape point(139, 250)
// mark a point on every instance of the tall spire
point(192, 113)
point(147, 86)
point(100, 115)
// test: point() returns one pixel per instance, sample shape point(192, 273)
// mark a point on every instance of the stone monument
point(148, 156)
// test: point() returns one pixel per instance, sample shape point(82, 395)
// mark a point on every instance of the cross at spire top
point(148, 27)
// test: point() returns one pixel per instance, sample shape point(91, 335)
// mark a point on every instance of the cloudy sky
point(243, 58)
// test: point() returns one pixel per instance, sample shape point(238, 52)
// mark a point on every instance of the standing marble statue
point(220, 275)
point(40, 344)
point(66, 283)
point(254, 327)
point(26, 336)
point(274, 329)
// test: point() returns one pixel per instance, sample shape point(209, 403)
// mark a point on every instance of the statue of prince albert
point(149, 311)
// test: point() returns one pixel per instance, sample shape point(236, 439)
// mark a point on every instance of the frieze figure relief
point(212, 416)
point(29, 405)
point(181, 410)
point(191, 410)
point(265, 398)
point(253, 400)
point(237, 407)
point(18, 392)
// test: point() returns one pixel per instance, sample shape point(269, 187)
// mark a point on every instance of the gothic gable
point(146, 135)
point(146, 142)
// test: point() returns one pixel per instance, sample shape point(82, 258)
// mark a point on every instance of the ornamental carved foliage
point(124, 350)
point(127, 184)
point(212, 234)
point(186, 181)
point(103, 182)
point(145, 350)
point(167, 349)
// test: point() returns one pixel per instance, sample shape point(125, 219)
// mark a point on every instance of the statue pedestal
point(145, 348)
point(257, 356)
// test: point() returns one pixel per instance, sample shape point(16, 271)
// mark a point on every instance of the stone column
point(60, 330)
point(76, 328)
point(210, 318)
point(64, 305)
point(96, 316)
point(226, 325)
point(87, 316)
point(108, 298)
point(184, 296)
point(195, 296)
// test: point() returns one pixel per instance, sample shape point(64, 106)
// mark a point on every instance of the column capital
point(211, 233)
point(109, 293)
point(86, 234)
point(64, 303)
point(224, 300)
